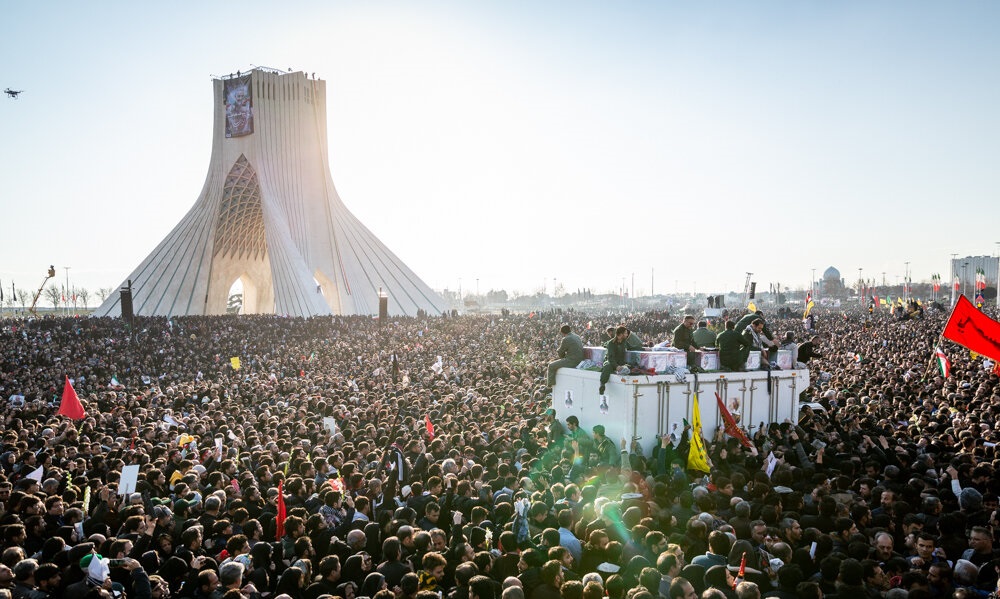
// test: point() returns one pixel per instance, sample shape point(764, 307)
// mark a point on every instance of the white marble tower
point(269, 215)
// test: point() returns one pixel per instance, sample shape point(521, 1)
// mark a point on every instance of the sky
point(521, 145)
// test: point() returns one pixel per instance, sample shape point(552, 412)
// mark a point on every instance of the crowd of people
point(418, 459)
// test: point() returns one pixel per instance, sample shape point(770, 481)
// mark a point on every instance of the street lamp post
point(906, 282)
point(860, 299)
point(964, 284)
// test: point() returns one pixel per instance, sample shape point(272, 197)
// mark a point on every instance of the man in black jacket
point(552, 578)
point(809, 350)
point(329, 572)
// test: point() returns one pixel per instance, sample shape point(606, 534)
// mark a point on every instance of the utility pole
point(66, 307)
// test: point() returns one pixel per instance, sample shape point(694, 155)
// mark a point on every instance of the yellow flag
point(697, 456)
point(234, 362)
point(752, 306)
point(973, 355)
point(809, 308)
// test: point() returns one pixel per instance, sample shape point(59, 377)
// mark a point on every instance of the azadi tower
point(269, 215)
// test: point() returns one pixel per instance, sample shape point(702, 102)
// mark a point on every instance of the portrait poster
point(237, 95)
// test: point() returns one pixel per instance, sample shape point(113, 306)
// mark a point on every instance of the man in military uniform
point(555, 429)
point(607, 451)
point(703, 336)
point(615, 356)
point(570, 354)
point(584, 444)
point(683, 338)
point(632, 341)
point(748, 319)
point(733, 348)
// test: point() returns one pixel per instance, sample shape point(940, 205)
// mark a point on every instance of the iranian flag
point(943, 363)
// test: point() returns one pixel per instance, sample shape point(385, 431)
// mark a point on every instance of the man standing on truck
point(614, 357)
point(733, 348)
point(570, 354)
point(683, 338)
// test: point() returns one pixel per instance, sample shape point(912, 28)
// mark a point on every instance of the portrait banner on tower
point(239, 106)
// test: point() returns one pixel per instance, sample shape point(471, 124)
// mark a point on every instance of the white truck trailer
point(645, 406)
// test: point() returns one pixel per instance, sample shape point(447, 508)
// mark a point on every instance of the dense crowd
point(417, 460)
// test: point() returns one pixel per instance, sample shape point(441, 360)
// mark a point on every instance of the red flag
point(743, 571)
point(279, 520)
point(70, 405)
point(969, 327)
point(731, 429)
point(429, 426)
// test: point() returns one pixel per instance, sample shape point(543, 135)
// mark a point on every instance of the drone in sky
point(13, 93)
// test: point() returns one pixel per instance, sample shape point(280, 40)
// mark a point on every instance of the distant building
point(832, 284)
point(964, 270)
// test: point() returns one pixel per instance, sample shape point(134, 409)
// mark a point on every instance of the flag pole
point(930, 363)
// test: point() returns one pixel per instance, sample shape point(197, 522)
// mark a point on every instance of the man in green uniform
point(632, 341)
point(584, 444)
point(733, 348)
point(607, 451)
point(748, 319)
point(703, 336)
point(615, 356)
point(555, 429)
point(570, 354)
point(684, 338)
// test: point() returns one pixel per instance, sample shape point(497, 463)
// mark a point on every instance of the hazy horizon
point(520, 143)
